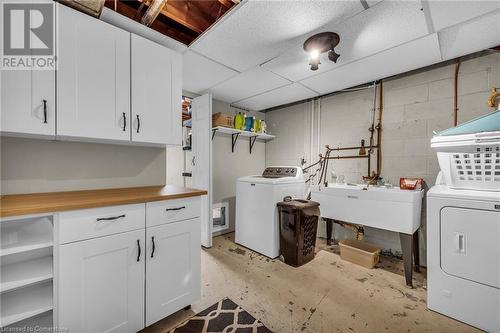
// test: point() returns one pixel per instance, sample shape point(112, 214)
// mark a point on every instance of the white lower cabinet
point(172, 268)
point(133, 277)
point(101, 284)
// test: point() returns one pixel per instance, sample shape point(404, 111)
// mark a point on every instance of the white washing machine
point(463, 255)
point(257, 225)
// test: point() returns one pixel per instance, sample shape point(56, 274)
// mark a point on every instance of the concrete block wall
point(415, 105)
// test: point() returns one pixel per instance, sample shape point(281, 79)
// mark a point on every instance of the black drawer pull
point(176, 208)
point(44, 111)
point(139, 250)
point(153, 251)
point(124, 122)
point(110, 218)
point(138, 123)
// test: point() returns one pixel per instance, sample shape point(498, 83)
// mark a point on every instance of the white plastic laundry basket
point(470, 161)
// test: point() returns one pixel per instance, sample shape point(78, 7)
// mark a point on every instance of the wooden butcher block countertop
point(36, 203)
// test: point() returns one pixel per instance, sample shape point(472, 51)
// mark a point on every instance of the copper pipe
point(351, 148)
point(372, 128)
point(455, 98)
point(358, 229)
point(379, 129)
point(345, 157)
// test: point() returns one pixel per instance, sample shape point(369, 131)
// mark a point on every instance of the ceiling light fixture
point(321, 43)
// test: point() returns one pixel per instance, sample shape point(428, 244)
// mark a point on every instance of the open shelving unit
point(235, 134)
point(26, 272)
point(25, 303)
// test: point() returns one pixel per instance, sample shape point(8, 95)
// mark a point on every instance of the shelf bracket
point(214, 130)
point(234, 138)
point(252, 142)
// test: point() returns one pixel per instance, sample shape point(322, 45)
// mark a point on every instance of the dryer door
point(470, 244)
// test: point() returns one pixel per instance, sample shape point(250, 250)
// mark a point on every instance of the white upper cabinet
point(111, 86)
point(28, 102)
point(93, 78)
point(154, 120)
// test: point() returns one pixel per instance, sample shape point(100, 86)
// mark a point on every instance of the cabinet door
point(22, 102)
point(93, 78)
point(151, 88)
point(172, 268)
point(101, 284)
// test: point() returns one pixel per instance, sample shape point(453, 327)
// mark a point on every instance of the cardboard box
point(221, 119)
point(359, 252)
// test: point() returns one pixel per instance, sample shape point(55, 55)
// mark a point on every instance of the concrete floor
point(325, 295)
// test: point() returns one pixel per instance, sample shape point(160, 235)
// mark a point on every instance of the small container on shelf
point(221, 119)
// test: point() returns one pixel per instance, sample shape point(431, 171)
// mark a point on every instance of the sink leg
point(416, 252)
point(407, 249)
point(329, 231)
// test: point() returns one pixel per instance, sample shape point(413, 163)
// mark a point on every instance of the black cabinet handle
point(110, 218)
point(139, 250)
point(138, 123)
point(176, 208)
point(44, 111)
point(124, 122)
point(153, 251)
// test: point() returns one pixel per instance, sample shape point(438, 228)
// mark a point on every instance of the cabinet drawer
point(168, 211)
point(96, 222)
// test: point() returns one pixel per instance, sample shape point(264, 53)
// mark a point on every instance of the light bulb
point(314, 54)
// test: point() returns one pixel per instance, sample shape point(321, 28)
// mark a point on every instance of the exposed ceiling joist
point(154, 8)
point(183, 20)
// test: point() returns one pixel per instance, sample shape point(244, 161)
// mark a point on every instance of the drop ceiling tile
point(252, 82)
point(471, 36)
point(258, 31)
point(199, 73)
point(386, 25)
point(447, 13)
point(284, 95)
point(403, 58)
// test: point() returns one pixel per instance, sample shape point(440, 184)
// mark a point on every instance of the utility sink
point(372, 206)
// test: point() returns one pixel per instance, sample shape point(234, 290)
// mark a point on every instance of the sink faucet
point(371, 180)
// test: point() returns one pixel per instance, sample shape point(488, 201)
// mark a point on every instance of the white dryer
point(463, 255)
point(257, 225)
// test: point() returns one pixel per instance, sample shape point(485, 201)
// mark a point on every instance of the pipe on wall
point(318, 126)
point(379, 128)
point(311, 136)
point(455, 97)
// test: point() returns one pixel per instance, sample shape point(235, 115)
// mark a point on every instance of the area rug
point(222, 317)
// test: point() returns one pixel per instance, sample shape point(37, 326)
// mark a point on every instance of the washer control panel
point(279, 172)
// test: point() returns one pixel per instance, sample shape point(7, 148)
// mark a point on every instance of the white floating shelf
point(227, 130)
point(25, 273)
point(25, 303)
point(235, 133)
point(25, 248)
